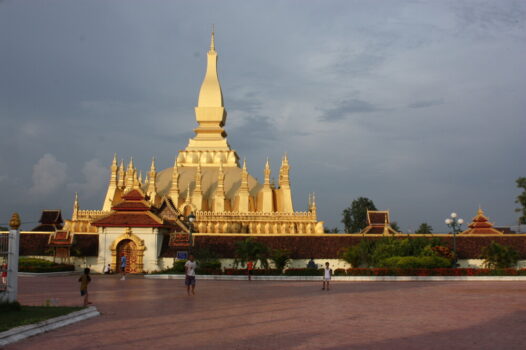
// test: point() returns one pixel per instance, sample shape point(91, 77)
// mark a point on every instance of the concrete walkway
point(144, 313)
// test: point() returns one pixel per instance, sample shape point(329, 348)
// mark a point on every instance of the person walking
point(123, 267)
point(327, 273)
point(250, 267)
point(189, 271)
point(84, 280)
point(4, 274)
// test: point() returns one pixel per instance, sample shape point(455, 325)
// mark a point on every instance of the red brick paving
point(156, 314)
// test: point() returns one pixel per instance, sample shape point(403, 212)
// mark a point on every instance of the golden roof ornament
point(14, 223)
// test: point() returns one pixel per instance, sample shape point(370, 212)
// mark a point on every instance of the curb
point(47, 274)
point(346, 278)
point(18, 333)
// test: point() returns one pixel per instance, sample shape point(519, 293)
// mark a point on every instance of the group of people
point(189, 270)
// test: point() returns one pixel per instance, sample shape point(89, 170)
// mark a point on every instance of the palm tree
point(251, 250)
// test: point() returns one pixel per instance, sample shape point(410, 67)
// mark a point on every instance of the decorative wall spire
point(136, 183)
point(284, 180)
point(197, 196)
point(129, 175)
point(75, 207)
point(114, 171)
point(313, 207)
point(174, 188)
point(267, 173)
point(121, 175)
point(221, 177)
point(219, 195)
point(198, 177)
point(244, 177)
point(152, 182)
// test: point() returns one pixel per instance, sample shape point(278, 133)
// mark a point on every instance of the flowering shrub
point(255, 272)
point(435, 272)
point(304, 272)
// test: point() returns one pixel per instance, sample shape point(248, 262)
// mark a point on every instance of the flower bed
point(255, 272)
point(304, 272)
point(435, 272)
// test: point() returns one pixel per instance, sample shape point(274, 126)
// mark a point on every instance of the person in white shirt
point(327, 273)
point(189, 270)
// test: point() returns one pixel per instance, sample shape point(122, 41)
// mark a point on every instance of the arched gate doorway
point(128, 248)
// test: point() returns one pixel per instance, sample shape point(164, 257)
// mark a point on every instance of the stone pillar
point(12, 258)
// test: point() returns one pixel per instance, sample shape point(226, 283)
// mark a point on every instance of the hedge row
point(367, 272)
point(41, 265)
point(330, 246)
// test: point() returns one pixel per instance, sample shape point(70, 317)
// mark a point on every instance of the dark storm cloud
point(346, 108)
point(428, 118)
point(425, 104)
point(253, 132)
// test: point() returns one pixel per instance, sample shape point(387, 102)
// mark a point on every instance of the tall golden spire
point(210, 94)
point(210, 136)
point(212, 40)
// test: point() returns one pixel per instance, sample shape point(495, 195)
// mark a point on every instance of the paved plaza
point(156, 314)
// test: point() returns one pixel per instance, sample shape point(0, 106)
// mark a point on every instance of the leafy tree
point(251, 250)
point(424, 228)
point(3, 228)
point(360, 254)
point(395, 226)
point(280, 258)
point(497, 256)
point(332, 230)
point(355, 216)
point(521, 199)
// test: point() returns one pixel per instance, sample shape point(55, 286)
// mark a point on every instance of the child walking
point(327, 273)
point(84, 280)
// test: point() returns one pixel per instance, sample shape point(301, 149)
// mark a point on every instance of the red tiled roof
point(123, 219)
point(60, 238)
point(131, 205)
point(377, 218)
point(133, 195)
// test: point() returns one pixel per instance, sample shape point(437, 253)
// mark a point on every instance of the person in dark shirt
point(84, 280)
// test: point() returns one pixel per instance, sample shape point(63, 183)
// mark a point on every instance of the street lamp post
point(455, 223)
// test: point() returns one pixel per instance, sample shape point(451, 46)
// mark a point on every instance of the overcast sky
point(417, 105)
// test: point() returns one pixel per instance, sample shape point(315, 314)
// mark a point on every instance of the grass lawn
point(32, 314)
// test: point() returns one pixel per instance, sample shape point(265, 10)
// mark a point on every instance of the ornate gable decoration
point(378, 222)
point(481, 225)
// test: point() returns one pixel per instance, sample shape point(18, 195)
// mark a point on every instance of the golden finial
point(212, 39)
point(14, 223)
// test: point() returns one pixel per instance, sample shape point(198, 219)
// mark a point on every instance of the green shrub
point(41, 265)
point(280, 258)
point(415, 262)
point(208, 264)
point(251, 250)
point(360, 254)
point(497, 256)
point(12, 306)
